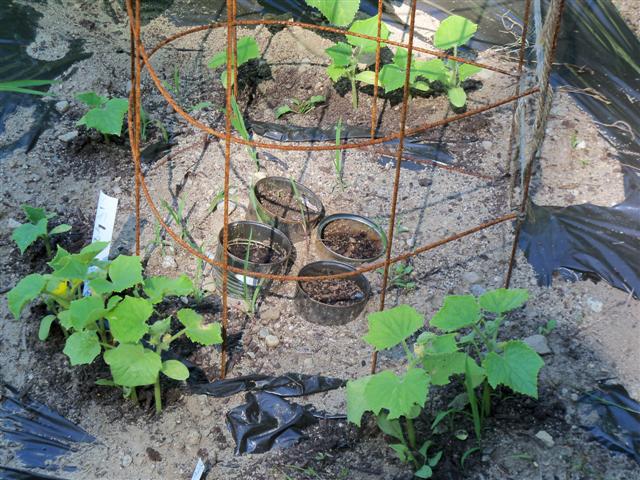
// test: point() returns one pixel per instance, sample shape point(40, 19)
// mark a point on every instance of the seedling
point(200, 106)
point(146, 121)
point(395, 400)
point(237, 120)
point(250, 299)
point(301, 205)
point(347, 56)
point(338, 12)
point(174, 86)
point(299, 106)
point(399, 276)
point(25, 86)
point(548, 327)
point(247, 49)
point(105, 115)
point(37, 229)
point(115, 319)
point(338, 164)
point(177, 214)
point(473, 322)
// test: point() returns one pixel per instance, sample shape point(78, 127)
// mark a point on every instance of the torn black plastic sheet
point(288, 385)
point(41, 434)
point(8, 473)
point(619, 414)
point(269, 421)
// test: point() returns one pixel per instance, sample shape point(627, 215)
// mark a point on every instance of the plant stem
point(157, 395)
point(177, 335)
point(47, 245)
point(134, 396)
point(486, 400)
point(411, 433)
point(354, 92)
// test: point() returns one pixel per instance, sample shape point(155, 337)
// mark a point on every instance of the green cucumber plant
point(399, 276)
point(115, 318)
point(26, 234)
point(474, 324)
point(395, 400)
point(338, 12)
point(247, 49)
point(105, 115)
point(299, 106)
point(347, 57)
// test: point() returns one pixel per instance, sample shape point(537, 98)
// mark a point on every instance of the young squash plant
point(470, 346)
point(248, 49)
point(117, 319)
point(338, 12)
point(105, 115)
point(395, 400)
point(347, 58)
point(27, 234)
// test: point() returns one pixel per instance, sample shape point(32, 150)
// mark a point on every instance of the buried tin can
point(254, 247)
point(281, 202)
point(350, 238)
point(331, 302)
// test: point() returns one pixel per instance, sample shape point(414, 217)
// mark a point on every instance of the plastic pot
point(286, 218)
point(274, 245)
point(325, 313)
point(358, 227)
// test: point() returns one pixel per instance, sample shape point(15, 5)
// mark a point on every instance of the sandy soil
point(598, 326)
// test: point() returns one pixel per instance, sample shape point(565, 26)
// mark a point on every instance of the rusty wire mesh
point(140, 59)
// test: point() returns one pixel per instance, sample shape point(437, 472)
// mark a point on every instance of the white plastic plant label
point(200, 468)
point(103, 226)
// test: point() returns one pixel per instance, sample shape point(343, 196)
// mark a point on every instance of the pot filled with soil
point(254, 247)
point(350, 238)
point(331, 302)
point(287, 205)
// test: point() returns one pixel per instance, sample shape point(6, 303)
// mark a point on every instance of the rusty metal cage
point(523, 147)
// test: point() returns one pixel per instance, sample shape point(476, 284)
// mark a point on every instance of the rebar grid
point(140, 60)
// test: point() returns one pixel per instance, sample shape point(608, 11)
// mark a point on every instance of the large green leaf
point(175, 370)
point(197, 331)
point(454, 31)
point(390, 427)
point(27, 233)
point(458, 311)
point(85, 311)
point(392, 77)
point(340, 53)
point(430, 343)
point(128, 320)
point(248, 49)
point(335, 72)
point(27, 289)
point(338, 12)
point(503, 300)
point(357, 402)
point(92, 99)
point(82, 347)
point(157, 288)
point(397, 394)
point(517, 368)
point(89, 252)
point(440, 366)
point(433, 70)
point(465, 71)
point(133, 365)
point(35, 214)
point(390, 327)
point(108, 118)
point(367, 27)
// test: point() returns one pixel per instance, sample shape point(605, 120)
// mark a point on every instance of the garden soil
point(597, 331)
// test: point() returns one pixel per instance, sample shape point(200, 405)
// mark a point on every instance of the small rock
point(270, 314)
point(538, 343)
point(68, 137)
point(263, 333)
point(410, 242)
point(471, 278)
point(477, 290)
point(62, 106)
point(574, 397)
point(169, 262)
point(271, 341)
point(153, 454)
point(486, 144)
point(193, 438)
point(424, 182)
point(117, 190)
point(581, 145)
point(13, 223)
point(594, 305)
point(126, 460)
point(545, 438)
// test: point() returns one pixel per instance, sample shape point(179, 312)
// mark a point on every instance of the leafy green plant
point(237, 120)
point(395, 400)
point(548, 327)
point(248, 49)
point(346, 56)
point(301, 204)
point(338, 12)
point(146, 121)
point(299, 106)
point(474, 323)
point(118, 318)
point(174, 86)
point(26, 234)
point(25, 86)
point(338, 163)
point(105, 115)
point(399, 276)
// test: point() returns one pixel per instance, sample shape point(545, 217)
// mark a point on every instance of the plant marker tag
point(103, 227)
point(199, 471)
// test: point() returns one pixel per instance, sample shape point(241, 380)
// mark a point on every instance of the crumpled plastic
point(43, 434)
point(619, 427)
